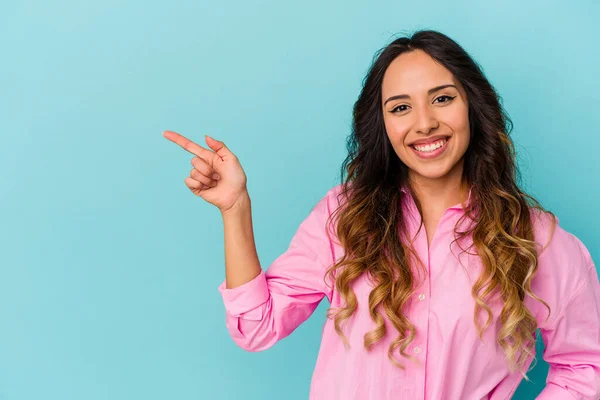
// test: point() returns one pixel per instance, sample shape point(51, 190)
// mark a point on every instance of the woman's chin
point(431, 172)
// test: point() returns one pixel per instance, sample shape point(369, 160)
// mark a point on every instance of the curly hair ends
point(371, 227)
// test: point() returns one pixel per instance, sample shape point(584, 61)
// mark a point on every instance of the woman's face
point(425, 115)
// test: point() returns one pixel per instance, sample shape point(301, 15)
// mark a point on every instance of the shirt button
point(417, 350)
point(421, 296)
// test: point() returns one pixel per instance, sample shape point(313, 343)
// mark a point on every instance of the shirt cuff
point(245, 297)
point(554, 392)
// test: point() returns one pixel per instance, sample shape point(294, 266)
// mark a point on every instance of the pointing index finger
point(188, 145)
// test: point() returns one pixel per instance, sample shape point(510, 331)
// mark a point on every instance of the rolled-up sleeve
point(273, 304)
point(572, 342)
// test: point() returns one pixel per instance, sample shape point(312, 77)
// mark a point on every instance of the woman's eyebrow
point(405, 96)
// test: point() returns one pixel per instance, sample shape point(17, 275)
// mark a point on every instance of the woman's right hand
point(229, 187)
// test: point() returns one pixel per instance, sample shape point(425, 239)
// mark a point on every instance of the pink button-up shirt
point(451, 361)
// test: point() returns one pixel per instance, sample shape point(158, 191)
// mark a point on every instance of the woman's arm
point(263, 307)
point(572, 340)
point(241, 261)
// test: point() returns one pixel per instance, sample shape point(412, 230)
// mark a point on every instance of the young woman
point(438, 267)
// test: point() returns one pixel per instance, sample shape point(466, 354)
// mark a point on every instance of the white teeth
point(431, 147)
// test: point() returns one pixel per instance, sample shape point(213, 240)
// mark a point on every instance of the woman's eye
point(397, 107)
point(447, 97)
point(447, 100)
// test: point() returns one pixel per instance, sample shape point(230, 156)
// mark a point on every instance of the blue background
point(110, 265)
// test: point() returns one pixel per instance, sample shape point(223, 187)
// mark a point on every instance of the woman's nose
point(426, 120)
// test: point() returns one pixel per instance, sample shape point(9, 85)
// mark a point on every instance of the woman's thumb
point(217, 146)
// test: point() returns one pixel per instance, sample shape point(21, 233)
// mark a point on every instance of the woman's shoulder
point(335, 192)
point(555, 241)
point(330, 200)
point(564, 262)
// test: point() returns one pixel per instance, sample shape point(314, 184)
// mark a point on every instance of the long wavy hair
point(371, 228)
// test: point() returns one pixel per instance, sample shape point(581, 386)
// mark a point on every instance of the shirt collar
point(404, 189)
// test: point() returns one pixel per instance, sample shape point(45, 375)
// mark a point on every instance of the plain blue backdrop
point(110, 265)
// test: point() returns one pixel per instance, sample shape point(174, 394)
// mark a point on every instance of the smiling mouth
point(430, 147)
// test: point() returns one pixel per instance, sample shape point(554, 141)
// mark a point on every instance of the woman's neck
point(437, 195)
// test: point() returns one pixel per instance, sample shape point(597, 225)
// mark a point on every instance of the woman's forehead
point(416, 72)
